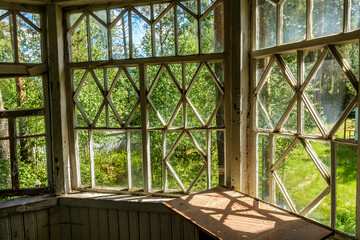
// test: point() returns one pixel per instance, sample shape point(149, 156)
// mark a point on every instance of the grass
point(304, 182)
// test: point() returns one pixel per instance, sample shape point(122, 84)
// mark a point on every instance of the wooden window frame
point(16, 70)
point(144, 98)
point(310, 43)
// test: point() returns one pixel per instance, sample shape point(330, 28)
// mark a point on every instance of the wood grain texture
point(226, 214)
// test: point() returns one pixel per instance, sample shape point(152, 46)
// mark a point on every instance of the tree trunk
point(5, 150)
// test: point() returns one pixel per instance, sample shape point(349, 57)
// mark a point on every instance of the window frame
point(17, 70)
point(142, 63)
point(310, 43)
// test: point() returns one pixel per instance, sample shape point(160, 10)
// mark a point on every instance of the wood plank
point(94, 223)
point(54, 220)
point(65, 220)
point(124, 225)
point(165, 226)
point(17, 226)
point(75, 223)
point(227, 214)
point(176, 227)
point(214, 57)
point(144, 225)
point(84, 223)
point(103, 223)
point(113, 225)
point(134, 225)
point(189, 230)
point(30, 226)
point(42, 220)
point(4, 229)
point(154, 226)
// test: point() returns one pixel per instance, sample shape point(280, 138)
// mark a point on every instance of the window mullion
point(271, 162)
point(130, 35)
point(15, 38)
point(13, 154)
point(88, 36)
point(346, 15)
point(333, 184)
point(128, 158)
point(91, 154)
point(279, 29)
point(309, 19)
point(145, 128)
point(300, 105)
point(164, 167)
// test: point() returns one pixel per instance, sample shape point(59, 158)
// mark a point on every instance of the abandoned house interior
point(179, 119)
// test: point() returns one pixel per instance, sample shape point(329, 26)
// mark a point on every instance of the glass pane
point(101, 14)
point(291, 62)
point(32, 162)
point(29, 42)
point(350, 54)
point(187, 33)
point(141, 37)
point(123, 96)
point(310, 126)
point(218, 69)
point(275, 95)
point(322, 150)
point(355, 14)
point(266, 25)
point(205, 95)
point(322, 212)
point(165, 96)
point(90, 97)
point(217, 158)
point(32, 17)
point(330, 92)
point(79, 43)
point(349, 128)
point(164, 35)
point(156, 159)
point(206, 4)
point(99, 40)
point(6, 45)
point(5, 167)
point(260, 68)
point(300, 177)
point(294, 21)
point(291, 122)
point(84, 157)
point(327, 17)
point(191, 5)
point(114, 13)
point(145, 11)
point(73, 18)
point(346, 188)
point(187, 163)
point(310, 58)
point(212, 31)
point(281, 144)
point(110, 159)
point(263, 166)
point(136, 160)
point(120, 38)
point(22, 93)
point(159, 8)
point(27, 126)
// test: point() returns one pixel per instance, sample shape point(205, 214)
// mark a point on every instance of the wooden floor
point(226, 214)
